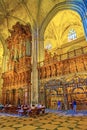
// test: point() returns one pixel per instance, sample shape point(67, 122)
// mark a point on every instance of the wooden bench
point(36, 112)
point(33, 112)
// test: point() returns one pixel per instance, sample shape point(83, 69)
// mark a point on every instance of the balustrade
point(71, 62)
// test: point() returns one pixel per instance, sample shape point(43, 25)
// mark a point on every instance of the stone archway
point(51, 97)
point(77, 89)
point(76, 6)
point(80, 96)
point(78, 93)
point(53, 93)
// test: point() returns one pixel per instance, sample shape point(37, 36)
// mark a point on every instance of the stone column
point(34, 73)
point(65, 95)
point(40, 49)
point(40, 58)
point(4, 64)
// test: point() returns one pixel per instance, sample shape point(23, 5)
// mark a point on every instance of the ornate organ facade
point(17, 78)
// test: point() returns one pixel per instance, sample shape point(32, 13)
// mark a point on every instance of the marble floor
point(49, 121)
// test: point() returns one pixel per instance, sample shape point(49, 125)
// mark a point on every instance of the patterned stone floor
point(49, 121)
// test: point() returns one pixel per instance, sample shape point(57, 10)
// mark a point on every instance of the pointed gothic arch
point(77, 6)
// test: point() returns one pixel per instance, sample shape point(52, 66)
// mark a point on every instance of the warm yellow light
point(1, 53)
point(58, 29)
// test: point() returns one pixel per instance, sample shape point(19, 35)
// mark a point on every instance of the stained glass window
point(72, 35)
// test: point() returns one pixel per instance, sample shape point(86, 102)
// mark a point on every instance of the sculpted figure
point(23, 49)
point(48, 71)
point(72, 66)
point(55, 57)
point(53, 70)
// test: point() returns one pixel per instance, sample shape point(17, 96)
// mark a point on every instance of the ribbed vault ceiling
point(34, 12)
point(25, 11)
point(58, 29)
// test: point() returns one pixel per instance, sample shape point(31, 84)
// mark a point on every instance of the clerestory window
point(72, 35)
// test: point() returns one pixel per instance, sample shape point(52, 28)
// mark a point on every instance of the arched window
point(72, 35)
point(48, 46)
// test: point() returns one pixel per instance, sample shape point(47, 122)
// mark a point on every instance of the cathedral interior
point(43, 52)
point(43, 60)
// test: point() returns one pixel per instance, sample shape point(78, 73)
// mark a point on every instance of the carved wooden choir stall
point(57, 78)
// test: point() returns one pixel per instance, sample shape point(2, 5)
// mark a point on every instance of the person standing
point(74, 105)
point(59, 105)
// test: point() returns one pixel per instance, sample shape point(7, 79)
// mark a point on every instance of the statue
point(43, 72)
point(48, 71)
point(55, 57)
point(65, 68)
point(48, 57)
point(12, 54)
point(23, 49)
point(59, 68)
point(53, 70)
point(79, 63)
point(72, 66)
